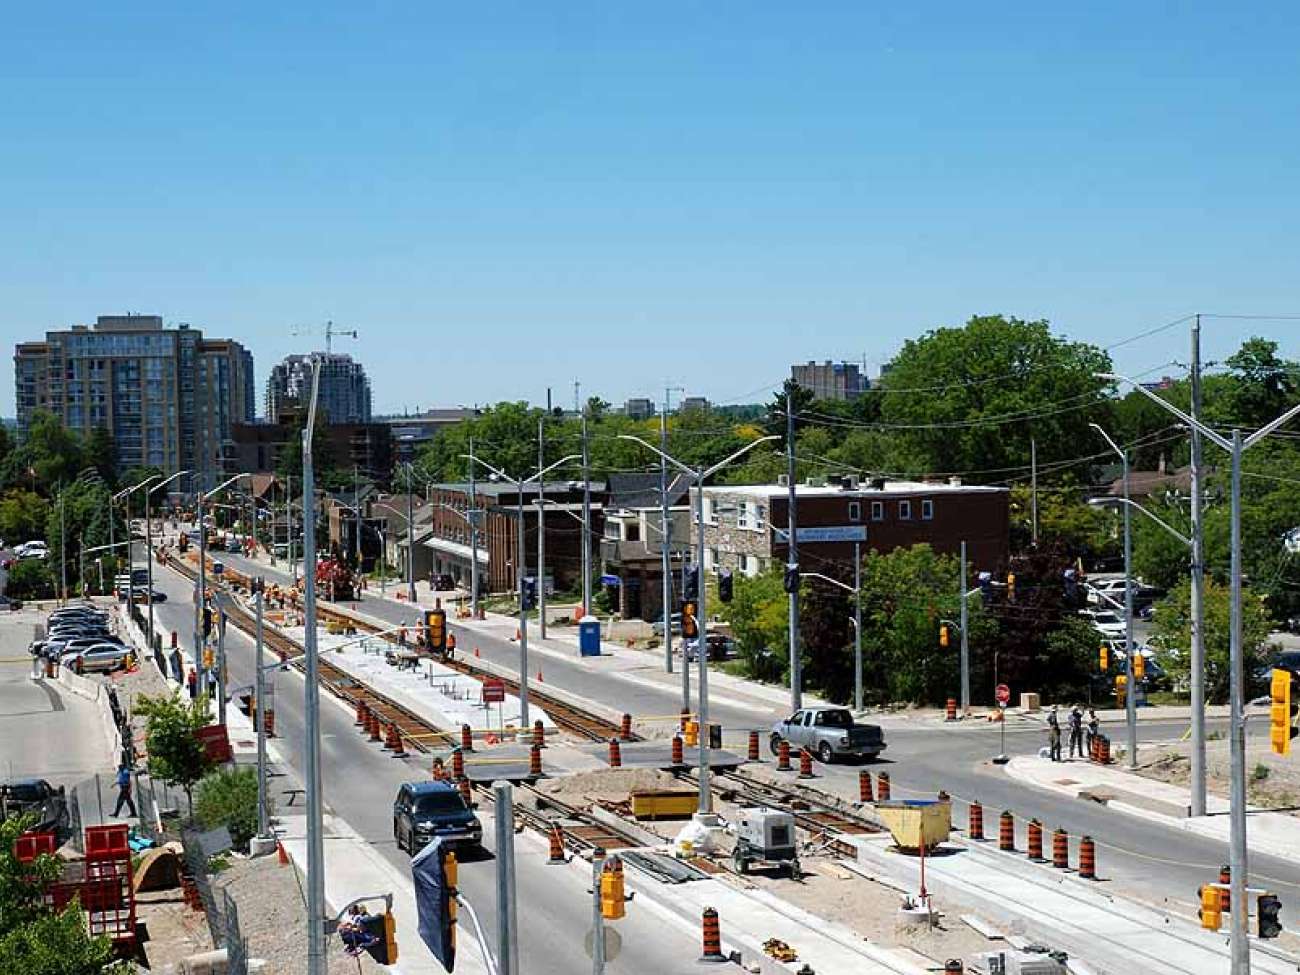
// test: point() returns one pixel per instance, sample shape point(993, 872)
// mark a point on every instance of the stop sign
point(1003, 694)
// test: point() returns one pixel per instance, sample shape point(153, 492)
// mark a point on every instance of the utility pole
point(1033, 492)
point(541, 530)
point(792, 520)
point(857, 626)
point(507, 915)
point(356, 510)
point(410, 539)
point(473, 537)
point(586, 521)
point(200, 603)
point(965, 642)
point(259, 695)
point(521, 556)
point(288, 514)
point(220, 620)
point(666, 559)
point(701, 654)
point(63, 549)
point(1197, 593)
point(316, 960)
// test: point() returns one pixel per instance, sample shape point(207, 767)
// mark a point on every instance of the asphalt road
point(360, 783)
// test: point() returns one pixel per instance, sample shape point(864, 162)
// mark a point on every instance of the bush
point(229, 798)
point(30, 579)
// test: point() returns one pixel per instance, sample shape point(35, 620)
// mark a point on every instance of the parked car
point(35, 797)
point(33, 550)
point(720, 648)
point(442, 582)
point(102, 658)
point(11, 604)
point(143, 594)
point(675, 621)
point(1105, 622)
point(828, 732)
point(424, 811)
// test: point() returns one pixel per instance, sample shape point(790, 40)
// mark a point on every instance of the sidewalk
point(1273, 833)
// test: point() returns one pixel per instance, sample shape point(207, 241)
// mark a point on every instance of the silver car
point(828, 732)
point(101, 658)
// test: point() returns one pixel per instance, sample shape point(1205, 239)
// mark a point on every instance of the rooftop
point(866, 489)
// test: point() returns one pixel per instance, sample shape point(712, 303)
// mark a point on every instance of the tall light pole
point(1130, 691)
point(1236, 446)
point(1198, 590)
point(541, 529)
point(792, 561)
point(410, 538)
point(203, 595)
point(586, 521)
point(965, 639)
point(125, 494)
point(148, 534)
point(520, 555)
point(700, 474)
point(666, 559)
point(473, 539)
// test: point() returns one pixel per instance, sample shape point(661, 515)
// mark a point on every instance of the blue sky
point(503, 197)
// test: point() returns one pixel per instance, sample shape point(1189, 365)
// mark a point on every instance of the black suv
point(424, 811)
point(35, 797)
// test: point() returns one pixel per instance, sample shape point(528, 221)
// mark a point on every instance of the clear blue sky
point(503, 197)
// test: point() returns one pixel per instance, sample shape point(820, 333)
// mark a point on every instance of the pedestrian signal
point(1209, 913)
point(435, 629)
point(1139, 666)
point(1104, 659)
point(691, 583)
point(1282, 713)
point(725, 585)
point(528, 595)
point(1011, 587)
point(791, 579)
point(690, 626)
point(1269, 909)
point(943, 635)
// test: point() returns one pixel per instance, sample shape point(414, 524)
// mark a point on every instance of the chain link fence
point(218, 906)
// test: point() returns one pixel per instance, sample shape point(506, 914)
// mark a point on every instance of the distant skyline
point(511, 196)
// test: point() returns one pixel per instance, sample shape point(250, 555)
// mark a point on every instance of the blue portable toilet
point(589, 637)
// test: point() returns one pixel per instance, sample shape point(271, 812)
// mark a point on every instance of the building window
point(905, 510)
point(877, 511)
point(709, 518)
point(855, 511)
point(749, 565)
point(927, 510)
point(710, 558)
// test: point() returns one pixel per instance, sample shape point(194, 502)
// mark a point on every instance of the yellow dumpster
point(663, 803)
point(916, 823)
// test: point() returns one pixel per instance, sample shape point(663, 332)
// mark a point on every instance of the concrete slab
point(659, 754)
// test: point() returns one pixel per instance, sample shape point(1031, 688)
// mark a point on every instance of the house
point(631, 546)
point(745, 525)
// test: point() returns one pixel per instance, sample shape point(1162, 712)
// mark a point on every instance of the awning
point(457, 549)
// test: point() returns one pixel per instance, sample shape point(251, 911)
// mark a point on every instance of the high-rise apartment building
point(167, 395)
point(831, 380)
point(344, 388)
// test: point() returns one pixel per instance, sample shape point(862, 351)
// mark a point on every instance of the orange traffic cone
point(281, 854)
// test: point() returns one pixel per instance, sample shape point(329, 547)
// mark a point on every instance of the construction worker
point(451, 644)
point(1094, 727)
point(124, 791)
point(1053, 735)
point(1076, 731)
point(401, 635)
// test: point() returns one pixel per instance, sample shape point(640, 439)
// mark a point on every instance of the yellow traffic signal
point(1104, 659)
point(1209, 912)
point(1011, 586)
point(690, 627)
point(1121, 687)
point(390, 939)
point(209, 659)
point(943, 635)
point(1139, 666)
point(611, 890)
point(1282, 712)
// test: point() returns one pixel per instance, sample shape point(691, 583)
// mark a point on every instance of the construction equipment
point(778, 949)
point(765, 836)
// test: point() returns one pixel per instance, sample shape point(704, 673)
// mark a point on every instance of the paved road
point(1154, 861)
point(360, 783)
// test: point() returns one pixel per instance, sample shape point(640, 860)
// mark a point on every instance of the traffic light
point(209, 658)
point(1104, 659)
point(435, 629)
point(943, 634)
point(725, 586)
point(528, 595)
point(1269, 908)
point(434, 873)
point(1011, 587)
point(1209, 913)
point(611, 890)
point(792, 578)
point(1139, 666)
point(1121, 687)
point(690, 626)
point(1281, 713)
point(207, 621)
point(382, 928)
point(690, 583)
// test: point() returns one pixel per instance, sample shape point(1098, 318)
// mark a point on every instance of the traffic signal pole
point(792, 560)
point(965, 641)
point(1197, 591)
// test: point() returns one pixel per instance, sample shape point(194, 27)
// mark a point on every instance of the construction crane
point(330, 332)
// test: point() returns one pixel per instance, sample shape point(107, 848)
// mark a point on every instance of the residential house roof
point(631, 491)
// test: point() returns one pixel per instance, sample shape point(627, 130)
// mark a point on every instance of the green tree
point(757, 614)
point(51, 452)
point(1264, 385)
point(30, 579)
point(1173, 628)
point(228, 797)
point(970, 399)
point(1064, 521)
point(100, 453)
point(23, 515)
point(33, 939)
point(176, 756)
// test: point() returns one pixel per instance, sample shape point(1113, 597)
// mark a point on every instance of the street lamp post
point(148, 534)
point(700, 474)
point(203, 595)
point(519, 485)
point(1130, 691)
point(1235, 446)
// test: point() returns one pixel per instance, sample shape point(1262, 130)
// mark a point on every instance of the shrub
point(229, 798)
point(30, 579)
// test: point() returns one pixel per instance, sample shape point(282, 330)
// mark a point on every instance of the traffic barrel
point(615, 754)
point(950, 711)
point(864, 786)
point(1092, 748)
point(753, 747)
point(557, 844)
point(361, 713)
point(783, 756)
point(975, 821)
point(465, 793)
point(679, 757)
point(712, 937)
point(466, 738)
point(374, 726)
point(394, 743)
point(625, 727)
point(534, 762)
point(1035, 841)
point(1006, 832)
point(268, 722)
point(539, 733)
point(1060, 849)
point(882, 786)
point(173, 639)
point(805, 764)
point(1087, 859)
point(1104, 751)
point(1225, 897)
point(457, 764)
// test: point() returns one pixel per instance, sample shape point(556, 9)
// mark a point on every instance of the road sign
point(1003, 694)
point(494, 691)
